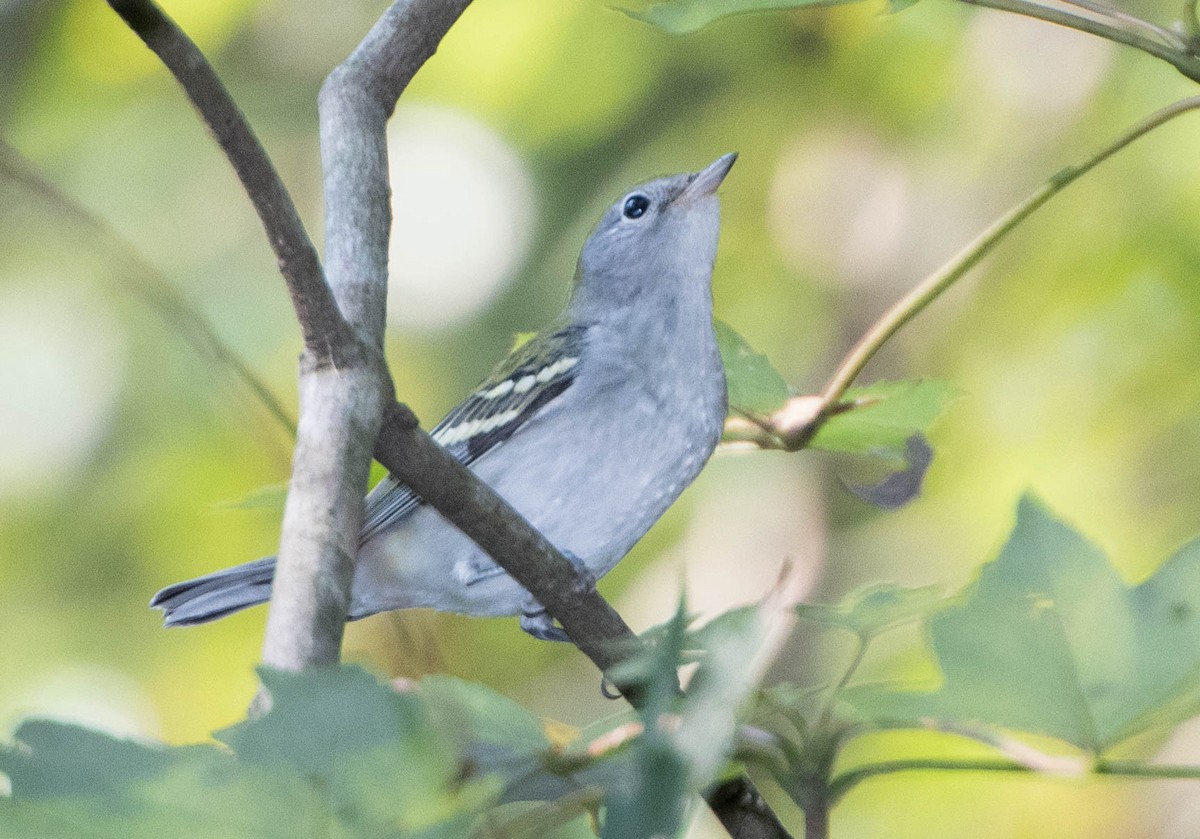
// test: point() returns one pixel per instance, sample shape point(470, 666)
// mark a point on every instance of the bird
point(590, 430)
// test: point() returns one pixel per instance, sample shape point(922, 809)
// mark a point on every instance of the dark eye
point(636, 206)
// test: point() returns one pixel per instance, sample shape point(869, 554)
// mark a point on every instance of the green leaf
point(70, 781)
point(474, 712)
point(684, 16)
point(886, 415)
point(755, 387)
point(339, 754)
point(875, 609)
point(319, 717)
point(1050, 640)
point(520, 339)
point(646, 797)
point(71, 760)
point(717, 694)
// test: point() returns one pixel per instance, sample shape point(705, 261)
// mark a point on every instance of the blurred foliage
point(685, 16)
point(1025, 650)
point(871, 149)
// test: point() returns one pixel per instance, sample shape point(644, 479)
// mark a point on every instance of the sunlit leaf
point(874, 609)
point(886, 415)
point(684, 16)
point(1051, 640)
point(477, 712)
point(755, 386)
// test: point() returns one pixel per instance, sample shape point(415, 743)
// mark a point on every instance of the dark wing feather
point(531, 378)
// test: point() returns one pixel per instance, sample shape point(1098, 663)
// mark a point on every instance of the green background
point(872, 147)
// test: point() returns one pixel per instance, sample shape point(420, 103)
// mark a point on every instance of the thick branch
point(324, 328)
point(355, 103)
point(344, 388)
point(473, 507)
point(342, 403)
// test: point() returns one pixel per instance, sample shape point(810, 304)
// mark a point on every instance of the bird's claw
point(538, 623)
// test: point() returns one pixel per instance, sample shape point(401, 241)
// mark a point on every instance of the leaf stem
point(1132, 23)
point(1120, 31)
point(936, 283)
point(860, 652)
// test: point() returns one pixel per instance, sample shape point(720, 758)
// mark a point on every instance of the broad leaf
point(1050, 640)
point(339, 755)
point(875, 609)
point(886, 415)
point(755, 387)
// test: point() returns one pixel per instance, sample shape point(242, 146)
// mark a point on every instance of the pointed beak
point(706, 181)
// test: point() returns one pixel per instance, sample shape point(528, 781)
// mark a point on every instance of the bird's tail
point(216, 595)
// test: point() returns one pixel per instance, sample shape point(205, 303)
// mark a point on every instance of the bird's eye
point(636, 206)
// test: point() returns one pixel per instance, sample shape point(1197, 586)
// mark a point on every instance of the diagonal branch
point(346, 395)
point(322, 324)
point(147, 283)
point(1107, 26)
point(792, 427)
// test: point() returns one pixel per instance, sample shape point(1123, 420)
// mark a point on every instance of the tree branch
point(355, 103)
point(147, 283)
point(346, 394)
point(1116, 29)
point(793, 426)
point(322, 324)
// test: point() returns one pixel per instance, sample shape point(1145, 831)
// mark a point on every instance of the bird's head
point(659, 238)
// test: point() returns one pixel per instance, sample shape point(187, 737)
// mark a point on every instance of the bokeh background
point(872, 147)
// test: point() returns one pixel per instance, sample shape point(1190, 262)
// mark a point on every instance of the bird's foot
point(585, 580)
point(537, 622)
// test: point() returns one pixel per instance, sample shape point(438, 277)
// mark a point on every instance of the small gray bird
point(591, 430)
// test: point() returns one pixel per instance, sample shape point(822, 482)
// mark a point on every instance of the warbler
point(590, 430)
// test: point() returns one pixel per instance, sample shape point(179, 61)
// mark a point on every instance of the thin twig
point(1171, 39)
point(794, 425)
point(1181, 59)
point(323, 326)
point(149, 284)
point(939, 281)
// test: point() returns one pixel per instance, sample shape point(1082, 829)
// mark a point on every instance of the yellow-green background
point(872, 147)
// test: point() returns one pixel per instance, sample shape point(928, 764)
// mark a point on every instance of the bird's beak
point(706, 181)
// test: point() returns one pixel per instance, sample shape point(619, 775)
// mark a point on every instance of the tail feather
point(216, 595)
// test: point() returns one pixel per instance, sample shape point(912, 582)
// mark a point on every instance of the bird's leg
point(537, 621)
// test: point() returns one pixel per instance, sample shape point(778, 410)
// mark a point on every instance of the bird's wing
point(529, 380)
